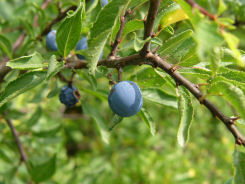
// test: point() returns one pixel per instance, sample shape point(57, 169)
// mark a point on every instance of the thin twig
point(149, 24)
point(3, 68)
point(119, 34)
point(156, 61)
point(23, 156)
point(201, 9)
point(120, 71)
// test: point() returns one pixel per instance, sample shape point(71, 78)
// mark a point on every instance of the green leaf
point(4, 156)
point(215, 60)
point(190, 58)
point(43, 170)
point(185, 116)
point(90, 78)
point(147, 77)
point(239, 167)
point(54, 91)
point(20, 85)
point(188, 10)
point(231, 93)
point(146, 117)
point(132, 26)
point(234, 75)
point(139, 43)
point(171, 14)
point(233, 43)
point(48, 133)
point(98, 119)
point(207, 38)
point(158, 96)
point(97, 94)
point(53, 67)
point(115, 121)
point(134, 3)
point(101, 30)
point(174, 41)
point(34, 118)
point(5, 46)
point(197, 72)
point(33, 61)
point(222, 7)
point(69, 32)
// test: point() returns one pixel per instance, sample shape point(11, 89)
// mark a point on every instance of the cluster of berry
point(125, 97)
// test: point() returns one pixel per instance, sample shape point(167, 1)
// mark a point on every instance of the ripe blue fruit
point(69, 96)
point(51, 41)
point(104, 2)
point(125, 98)
point(81, 45)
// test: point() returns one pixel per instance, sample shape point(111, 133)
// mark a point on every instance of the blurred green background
point(78, 140)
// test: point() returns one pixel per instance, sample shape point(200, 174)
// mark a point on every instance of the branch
point(3, 68)
point(201, 9)
point(119, 33)
point(156, 61)
point(149, 24)
point(23, 156)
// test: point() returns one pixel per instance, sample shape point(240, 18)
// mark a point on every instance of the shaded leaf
point(5, 46)
point(98, 119)
point(239, 167)
point(53, 67)
point(146, 117)
point(132, 26)
point(158, 96)
point(231, 93)
point(115, 121)
point(233, 43)
point(185, 116)
point(174, 41)
point(35, 117)
point(207, 38)
point(21, 85)
point(42, 171)
point(147, 77)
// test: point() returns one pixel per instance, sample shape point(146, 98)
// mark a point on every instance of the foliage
point(173, 139)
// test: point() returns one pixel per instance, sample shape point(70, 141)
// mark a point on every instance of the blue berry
point(69, 96)
point(125, 98)
point(51, 41)
point(104, 2)
point(81, 45)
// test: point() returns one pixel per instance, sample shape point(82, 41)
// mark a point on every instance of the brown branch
point(156, 61)
point(149, 24)
point(201, 9)
point(3, 68)
point(119, 34)
point(23, 156)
